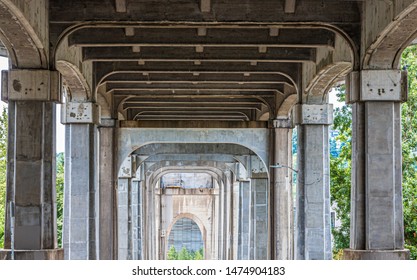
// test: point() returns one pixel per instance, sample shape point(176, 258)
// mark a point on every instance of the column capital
point(109, 123)
point(80, 113)
point(376, 85)
point(281, 123)
point(30, 85)
point(313, 114)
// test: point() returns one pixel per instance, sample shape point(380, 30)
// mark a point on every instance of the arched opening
point(185, 233)
point(223, 186)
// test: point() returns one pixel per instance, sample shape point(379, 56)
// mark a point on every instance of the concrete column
point(31, 162)
point(260, 214)
point(124, 207)
point(377, 230)
point(81, 195)
point(106, 190)
point(313, 234)
point(281, 183)
point(244, 220)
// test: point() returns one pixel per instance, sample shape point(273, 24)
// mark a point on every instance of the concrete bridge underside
point(150, 88)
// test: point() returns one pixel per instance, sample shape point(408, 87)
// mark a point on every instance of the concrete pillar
point(124, 207)
point(81, 195)
point(281, 184)
point(377, 230)
point(313, 234)
point(260, 210)
point(106, 190)
point(244, 220)
point(31, 161)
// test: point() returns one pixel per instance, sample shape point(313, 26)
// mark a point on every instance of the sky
point(60, 129)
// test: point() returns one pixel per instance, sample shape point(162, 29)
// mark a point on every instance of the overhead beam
point(196, 90)
point(188, 37)
point(102, 69)
point(205, 6)
point(190, 11)
point(204, 76)
point(290, 6)
point(210, 54)
point(192, 105)
point(121, 6)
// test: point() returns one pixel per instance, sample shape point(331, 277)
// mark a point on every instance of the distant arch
point(195, 219)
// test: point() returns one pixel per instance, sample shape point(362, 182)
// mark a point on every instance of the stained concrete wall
point(192, 203)
point(130, 139)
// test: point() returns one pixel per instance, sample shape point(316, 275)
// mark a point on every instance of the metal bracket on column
point(80, 113)
point(31, 85)
point(313, 114)
point(376, 85)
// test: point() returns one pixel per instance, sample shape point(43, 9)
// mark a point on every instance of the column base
point(349, 254)
point(52, 254)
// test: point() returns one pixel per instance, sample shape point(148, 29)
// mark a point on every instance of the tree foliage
point(409, 151)
point(60, 195)
point(184, 254)
point(340, 166)
point(3, 159)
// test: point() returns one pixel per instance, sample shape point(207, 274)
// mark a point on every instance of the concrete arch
point(253, 142)
point(287, 105)
point(317, 89)
point(24, 46)
point(79, 89)
point(195, 219)
point(385, 52)
point(175, 169)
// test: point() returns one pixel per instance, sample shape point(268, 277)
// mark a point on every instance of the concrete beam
point(253, 11)
point(239, 37)
point(209, 55)
point(205, 6)
point(104, 69)
point(289, 7)
point(121, 6)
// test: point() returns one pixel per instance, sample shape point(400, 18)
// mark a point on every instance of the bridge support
point(106, 190)
point(313, 240)
point(81, 196)
point(281, 182)
point(377, 230)
point(31, 163)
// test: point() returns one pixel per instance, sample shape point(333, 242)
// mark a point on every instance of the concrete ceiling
point(199, 59)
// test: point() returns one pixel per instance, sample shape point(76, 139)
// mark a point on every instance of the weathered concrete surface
point(80, 230)
point(53, 254)
point(197, 204)
point(377, 215)
point(282, 203)
point(106, 193)
point(313, 234)
point(130, 139)
point(349, 254)
point(31, 175)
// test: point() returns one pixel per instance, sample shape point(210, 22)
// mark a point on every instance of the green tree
point(184, 254)
point(60, 195)
point(199, 255)
point(3, 159)
point(172, 253)
point(340, 166)
point(409, 151)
